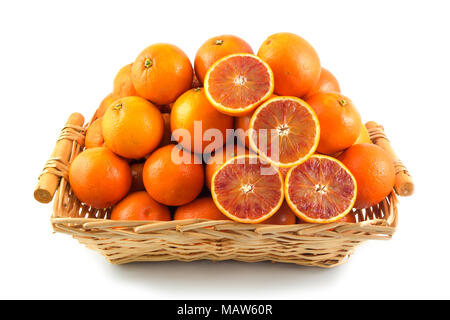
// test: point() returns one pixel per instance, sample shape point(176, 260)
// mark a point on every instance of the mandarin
point(193, 108)
point(340, 122)
point(99, 178)
point(373, 170)
point(294, 62)
point(161, 73)
point(173, 176)
point(132, 127)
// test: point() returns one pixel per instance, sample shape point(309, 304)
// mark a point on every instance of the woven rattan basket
point(324, 245)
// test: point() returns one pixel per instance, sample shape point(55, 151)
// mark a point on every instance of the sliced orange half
point(320, 190)
point(238, 83)
point(285, 131)
point(247, 190)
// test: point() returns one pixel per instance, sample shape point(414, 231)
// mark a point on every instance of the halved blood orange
point(320, 190)
point(284, 131)
point(247, 190)
point(238, 83)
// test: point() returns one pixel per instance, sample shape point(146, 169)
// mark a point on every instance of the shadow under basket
point(321, 245)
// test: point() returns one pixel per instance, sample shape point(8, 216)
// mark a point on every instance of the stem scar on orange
point(320, 190)
point(247, 190)
point(285, 131)
point(238, 83)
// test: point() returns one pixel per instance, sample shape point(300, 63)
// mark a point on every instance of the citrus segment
point(320, 190)
point(247, 190)
point(238, 83)
point(285, 131)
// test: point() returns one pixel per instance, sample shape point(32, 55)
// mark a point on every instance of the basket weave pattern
point(195, 239)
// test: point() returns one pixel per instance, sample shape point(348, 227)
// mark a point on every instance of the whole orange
point(193, 108)
point(106, 102)
point(327, 83)
point(216, 48)
point(373, 170)
point(283, 216)
point(173, 176)
point(123, 85)
point(140, 206)
point(219, 157)
point(94, 136)
point(132, 127)
point(99, 178)
point(201, 208)
point(161, 73)
point(294, 62)
point(340, 122)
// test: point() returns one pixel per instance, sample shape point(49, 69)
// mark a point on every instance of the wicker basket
point(324, 245)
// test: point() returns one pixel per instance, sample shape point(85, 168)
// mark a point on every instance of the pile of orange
point(255, 138)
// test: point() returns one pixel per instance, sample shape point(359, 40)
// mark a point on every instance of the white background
point(391, 59)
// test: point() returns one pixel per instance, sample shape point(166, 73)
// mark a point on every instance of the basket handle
point(57, 166)
point(404, 185)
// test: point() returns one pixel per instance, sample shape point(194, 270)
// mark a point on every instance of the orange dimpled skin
point(94, 136)
point(327, 83)
point(294, 62)
point(173, 181)
point(201, 208)
point(99, 178)
point(140, 206)
point(161, 73)
point(123, 85)
point(216, 48)
point(340, 122)
point(132, 127)
point(193, 106)
point(373, 170)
